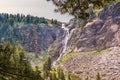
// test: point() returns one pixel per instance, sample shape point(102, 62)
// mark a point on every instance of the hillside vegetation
point(35, 34)
point(15, 65)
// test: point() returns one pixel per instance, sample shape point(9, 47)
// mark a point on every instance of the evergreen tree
point(61, 75)
point(53, 76)
point(82, 10)
point(13, 66)
point(68, 77)
point(47, 65)
point(18, 18)
point(78, 8)
point(28, 19)
point(98, 77)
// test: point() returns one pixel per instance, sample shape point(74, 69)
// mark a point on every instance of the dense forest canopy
point(12, 19)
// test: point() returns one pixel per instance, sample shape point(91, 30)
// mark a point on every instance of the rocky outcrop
point(36, 38)
point(60, 45)
point(101, 33)
point(96, 49)
point(112, 12)
point(35, 34)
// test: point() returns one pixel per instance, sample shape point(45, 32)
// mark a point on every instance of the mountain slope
point(35, 34)
point(102, 33)
point(96, 49)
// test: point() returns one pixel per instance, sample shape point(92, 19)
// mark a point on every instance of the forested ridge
point(11, 19)
point(28, 30)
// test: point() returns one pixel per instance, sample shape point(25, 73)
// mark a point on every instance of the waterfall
point(64, 42)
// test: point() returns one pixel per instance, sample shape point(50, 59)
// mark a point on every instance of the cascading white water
point(64, 42)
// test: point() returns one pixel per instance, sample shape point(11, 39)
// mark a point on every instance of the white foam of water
point(65, 42)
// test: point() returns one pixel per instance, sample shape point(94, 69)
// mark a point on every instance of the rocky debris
point(107, 64)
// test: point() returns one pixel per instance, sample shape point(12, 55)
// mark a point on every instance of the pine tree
point(78, 8)
point(47, 65)
point(37, 74)
point(68, 77)
point(82, 10)
point(11, 67)
point(61, 75)
point(98, 77)
point(53, 76)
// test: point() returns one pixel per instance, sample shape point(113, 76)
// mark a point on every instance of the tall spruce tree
point(47, 65)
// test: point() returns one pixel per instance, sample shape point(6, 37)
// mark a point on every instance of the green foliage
point(117, 0)
point(14, 64)
point(74, 77)
point(100, 52)
point(11, 23)
point(53, 76)
point(18, 18)
point(61, 74)
point(57, 73)
point(44, 55)
point(13, 27)
point(38, 58)
point(78, 7)
point(66, 57)
point(82, 10)
point(47, 64)
point(98, 76)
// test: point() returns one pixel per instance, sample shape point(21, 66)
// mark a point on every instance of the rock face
point(60, 45)
point(101, 33)
point(35, 34)
point(37, 39)
point(34, 38)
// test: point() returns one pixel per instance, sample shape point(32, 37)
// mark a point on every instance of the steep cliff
point(101, 33)
point(37, 39)
point(95, 49)
point(35, 34)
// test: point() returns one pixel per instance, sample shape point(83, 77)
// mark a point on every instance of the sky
point(40, 8)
